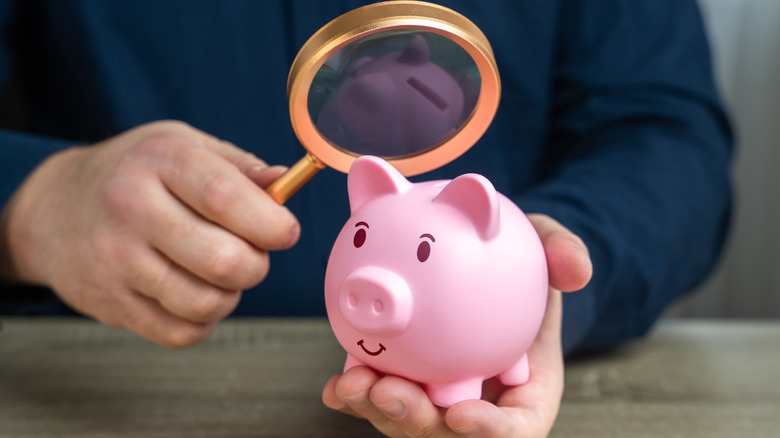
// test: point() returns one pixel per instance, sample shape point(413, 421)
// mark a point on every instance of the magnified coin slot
point(429, 94)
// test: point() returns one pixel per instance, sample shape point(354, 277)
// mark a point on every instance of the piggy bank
point(393, 104)
point(440, 282)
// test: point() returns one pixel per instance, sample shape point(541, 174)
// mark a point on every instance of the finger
point(257, 170)
point(177, 290)
point(150, 320)
point(206, 250)
point(354, 389)
point(568, 260)
point(408, 407)
point(263, 177)
point(331, 400)
point(197, 245)
point(478, 418)
point(211, 185)
point(329, 397)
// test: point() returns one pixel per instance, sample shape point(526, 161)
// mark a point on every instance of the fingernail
point(393, 410)
point(256, 169)
point(260, 169)
point(580, 246)
point(277, 168)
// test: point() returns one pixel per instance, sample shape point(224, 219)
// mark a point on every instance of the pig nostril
point(374, 300)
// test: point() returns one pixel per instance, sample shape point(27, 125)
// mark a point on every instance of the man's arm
point(637, 161)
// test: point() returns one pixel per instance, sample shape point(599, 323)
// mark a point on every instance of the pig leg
point(447, 394)
point(351, 362)
point(518, 374)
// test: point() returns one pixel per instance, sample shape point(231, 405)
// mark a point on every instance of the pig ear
point(416, 52)
point(357, 64)
point(474, 196)
point(370, 177)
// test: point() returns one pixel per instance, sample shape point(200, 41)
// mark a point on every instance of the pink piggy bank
point(440, 282)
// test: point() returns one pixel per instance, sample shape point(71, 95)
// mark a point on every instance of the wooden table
point(263, 378)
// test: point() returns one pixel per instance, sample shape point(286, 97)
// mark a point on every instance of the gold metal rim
point(388, 16)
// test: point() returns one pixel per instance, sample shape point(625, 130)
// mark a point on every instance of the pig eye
point(360, 235)
point(360, 238)
point(423, 251)
point(424, 248)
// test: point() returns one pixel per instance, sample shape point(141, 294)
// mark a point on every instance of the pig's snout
point(375, 300)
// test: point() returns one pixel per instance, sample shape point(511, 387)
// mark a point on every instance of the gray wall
point(745, 37)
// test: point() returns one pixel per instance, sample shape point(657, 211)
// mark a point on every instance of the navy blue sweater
point(609, 122)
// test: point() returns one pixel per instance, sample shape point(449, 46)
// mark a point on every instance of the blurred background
point(745, 39)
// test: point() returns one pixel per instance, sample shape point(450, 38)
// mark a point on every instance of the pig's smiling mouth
point(372, 353)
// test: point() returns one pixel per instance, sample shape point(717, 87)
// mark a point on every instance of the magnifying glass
point(412, 82)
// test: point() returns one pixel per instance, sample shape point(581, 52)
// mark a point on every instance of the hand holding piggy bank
point(440, 282)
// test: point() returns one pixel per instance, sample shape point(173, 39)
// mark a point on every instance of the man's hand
point(156, 230)
point(400, 408)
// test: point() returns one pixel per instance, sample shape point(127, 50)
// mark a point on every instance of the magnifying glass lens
point(412, 82)
point(394, 93)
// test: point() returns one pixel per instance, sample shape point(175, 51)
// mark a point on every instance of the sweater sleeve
point(636, 162)
point(20, 154)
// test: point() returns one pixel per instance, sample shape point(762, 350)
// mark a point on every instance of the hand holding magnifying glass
point(412, 82)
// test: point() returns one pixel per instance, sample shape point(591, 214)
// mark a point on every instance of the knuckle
point(163, 143)
point(121, 198)
point(224, 263)
point(213, 305)
point(234, 267)
point(218, 193)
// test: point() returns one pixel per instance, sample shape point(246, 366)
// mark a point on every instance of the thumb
point(568, 260)
point(246, 162)
point(250, 165)
point(240, 158)
point(264, 176)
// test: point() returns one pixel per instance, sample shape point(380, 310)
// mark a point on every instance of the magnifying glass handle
point(286, 185)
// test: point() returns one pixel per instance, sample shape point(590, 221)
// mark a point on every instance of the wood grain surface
point(264, 377)
point(689, 379)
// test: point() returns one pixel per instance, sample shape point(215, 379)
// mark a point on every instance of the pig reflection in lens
point(387, 97)
point(412, 82)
